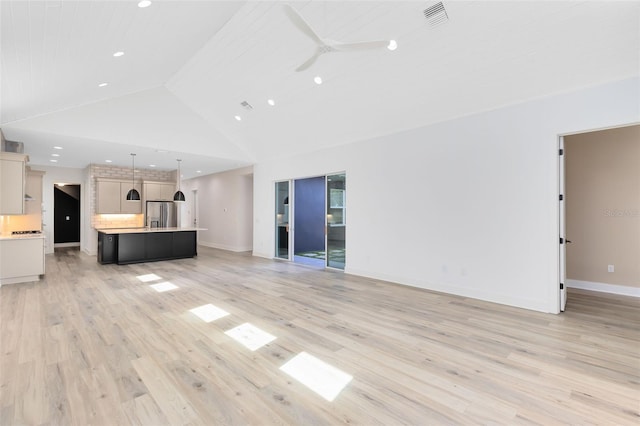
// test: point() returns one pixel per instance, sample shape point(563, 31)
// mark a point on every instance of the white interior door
point(563, 238)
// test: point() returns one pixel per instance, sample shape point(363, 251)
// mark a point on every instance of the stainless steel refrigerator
point(161, 214)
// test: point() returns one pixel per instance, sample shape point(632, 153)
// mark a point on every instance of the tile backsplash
point(101, 221)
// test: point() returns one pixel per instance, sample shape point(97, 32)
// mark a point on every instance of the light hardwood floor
point(92, 344)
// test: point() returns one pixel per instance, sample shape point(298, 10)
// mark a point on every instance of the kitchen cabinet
point(111, 197)
point(12, 183)
point(21, 259)
point(159, 191)
point(34, 190)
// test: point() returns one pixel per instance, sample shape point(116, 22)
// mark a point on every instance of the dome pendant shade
point(178, 196)
point(133, 195)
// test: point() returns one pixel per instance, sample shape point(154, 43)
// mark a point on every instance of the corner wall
point(225, 209)
point(467, 207)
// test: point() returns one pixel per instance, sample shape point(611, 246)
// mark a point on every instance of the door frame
point(561, 212)
point(291, 233)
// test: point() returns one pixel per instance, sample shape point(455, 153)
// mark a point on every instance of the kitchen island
point(135, 245)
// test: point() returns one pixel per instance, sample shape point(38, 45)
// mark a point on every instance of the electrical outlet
point(610, 268)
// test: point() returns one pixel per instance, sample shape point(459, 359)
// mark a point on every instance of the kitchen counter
point(22, 237)
point(135, 245)
point(112, 231)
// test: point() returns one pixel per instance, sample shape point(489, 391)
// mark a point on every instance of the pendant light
point(178, 197)
point(133, 194)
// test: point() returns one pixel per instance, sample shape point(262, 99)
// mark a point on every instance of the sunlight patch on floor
point(148, 278)
point(250, 336)
point(322, 378)
point(209, 312)
point(165, 286)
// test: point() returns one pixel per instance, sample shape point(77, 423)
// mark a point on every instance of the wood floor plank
point(93, 344)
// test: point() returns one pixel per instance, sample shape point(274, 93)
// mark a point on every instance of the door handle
point(568, 241)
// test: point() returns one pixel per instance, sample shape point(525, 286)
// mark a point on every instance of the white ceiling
point(189, 64)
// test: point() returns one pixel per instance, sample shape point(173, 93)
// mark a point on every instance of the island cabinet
point(145, 246)
point(111, 197)
point(12, 183)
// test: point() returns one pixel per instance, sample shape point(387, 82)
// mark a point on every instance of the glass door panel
point(282, 220)
point(336, 220)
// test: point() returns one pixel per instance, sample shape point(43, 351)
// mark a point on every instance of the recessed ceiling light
point(198, 171)
point(118, 54)
point(271, 102)
point(54, 161)
point(237, 117)
point(103, 84)
point(57, 147)
point(317, 79)
point(144, 3)
point(107, 161)
point(392, 45)
point(152, 165)
point(55, 155)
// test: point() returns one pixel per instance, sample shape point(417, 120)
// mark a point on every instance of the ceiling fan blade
point(365, 45)
point(309, 62)
point(301, 24)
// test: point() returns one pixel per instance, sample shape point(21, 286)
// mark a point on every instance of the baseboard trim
point(225, 247)
point(604, 288)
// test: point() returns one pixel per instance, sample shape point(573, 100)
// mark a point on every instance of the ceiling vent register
point(436, 14)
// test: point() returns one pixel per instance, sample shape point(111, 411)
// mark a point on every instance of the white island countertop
point(145, 230)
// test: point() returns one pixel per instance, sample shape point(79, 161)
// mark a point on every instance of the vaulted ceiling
point(188, 65)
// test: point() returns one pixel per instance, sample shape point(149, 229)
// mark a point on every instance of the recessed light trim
point(144, 3)
point(118, 54)
point(198, 171)
point(271, 102)
point(108, 161)
point(103, 84)
point(55, 155)
point(57, 147)
point(317, 79)
point(152, 165)
point(54, 161)
point(237, 117)
point(393, 45)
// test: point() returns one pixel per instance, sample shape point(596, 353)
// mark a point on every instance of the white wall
point(467, 206)
point(55, 175)
point(225, 209)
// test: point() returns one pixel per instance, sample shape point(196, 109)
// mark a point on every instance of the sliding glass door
point(336, 220)
point(282, 220)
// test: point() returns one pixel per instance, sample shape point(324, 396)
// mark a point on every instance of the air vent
point(246, 105)
point(436, 14)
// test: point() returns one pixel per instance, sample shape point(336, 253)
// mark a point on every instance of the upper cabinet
point(159, 191)
point(12, 183)
point(34, 190)
point(111, 197)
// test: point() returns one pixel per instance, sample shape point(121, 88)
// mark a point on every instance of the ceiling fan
point(325, 45)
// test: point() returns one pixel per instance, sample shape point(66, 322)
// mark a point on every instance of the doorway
point(599, 211)
point(310, 221)
point(66, 215)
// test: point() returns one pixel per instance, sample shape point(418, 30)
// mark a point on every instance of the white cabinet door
point(21, 259)
point(12, 182)
point(167, 191)
point(132, 207)
point(152, 192)
point(108, 197)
